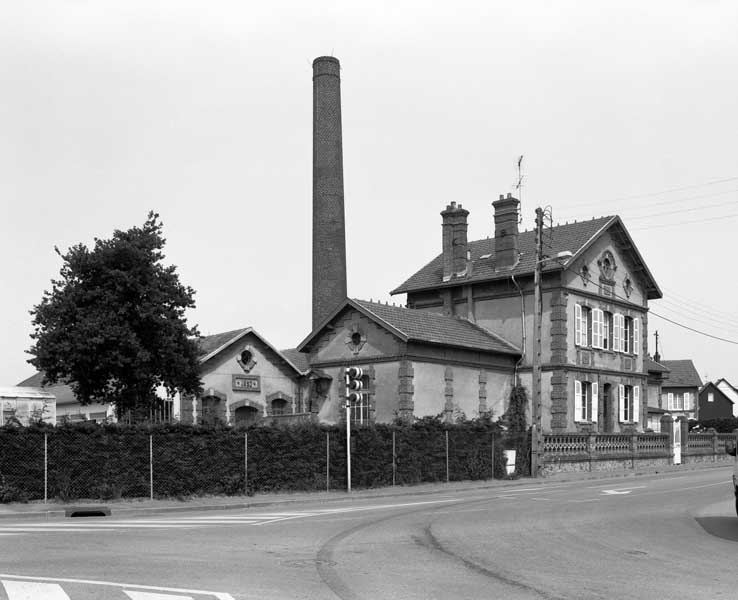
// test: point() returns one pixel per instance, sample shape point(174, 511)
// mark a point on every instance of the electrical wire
point(662, 225)
point(714, 337)
point(683, 210)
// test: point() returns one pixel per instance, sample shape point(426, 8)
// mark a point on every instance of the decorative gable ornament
point(355, 340)
point(585, 275)
point(607, 265)
point(246, 359)
point(627, 287)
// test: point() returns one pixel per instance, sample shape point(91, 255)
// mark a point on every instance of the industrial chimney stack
point(329, 235)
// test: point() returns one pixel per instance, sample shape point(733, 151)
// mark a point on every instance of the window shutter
point(577, 400)
point(621, 403)
point(578, 324)
point(671, 400)
point(636, 404)
point(594, 402)
point(636, 335)
point(623, 339)
point(596, 328)
point(616, 332)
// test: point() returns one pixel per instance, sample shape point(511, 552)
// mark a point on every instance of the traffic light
point(354, 384)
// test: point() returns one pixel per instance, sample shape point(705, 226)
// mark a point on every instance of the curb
point(60, 511)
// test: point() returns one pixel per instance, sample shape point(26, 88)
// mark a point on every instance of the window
point(585, 401)
point(687, 401)
point(279, 406)
point(710, 397)
point(607, 330)
point(597, 319)
point(582, 325)
point(630, 403)
point(631, 335)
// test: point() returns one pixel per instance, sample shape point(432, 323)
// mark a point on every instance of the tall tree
point(113, 327)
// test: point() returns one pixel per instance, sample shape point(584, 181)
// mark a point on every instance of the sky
point(202, 112)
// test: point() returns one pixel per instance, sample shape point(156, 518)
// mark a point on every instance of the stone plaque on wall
point(246, 383)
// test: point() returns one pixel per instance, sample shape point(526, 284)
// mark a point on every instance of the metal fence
point(69, 464)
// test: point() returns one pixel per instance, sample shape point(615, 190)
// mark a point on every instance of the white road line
point(27, 578)
point(148, 596)
point(33, 590)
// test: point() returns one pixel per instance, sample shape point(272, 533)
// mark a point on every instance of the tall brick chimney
point(454, 243)
point(506, 231)
point(329, 235)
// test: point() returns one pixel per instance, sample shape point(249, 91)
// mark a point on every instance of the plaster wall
point(429, 383)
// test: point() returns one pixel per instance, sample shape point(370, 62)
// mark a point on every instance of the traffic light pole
point(348, 434)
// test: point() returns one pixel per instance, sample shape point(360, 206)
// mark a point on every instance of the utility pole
point(536, 433)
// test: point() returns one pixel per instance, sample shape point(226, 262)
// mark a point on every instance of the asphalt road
point(667, 536)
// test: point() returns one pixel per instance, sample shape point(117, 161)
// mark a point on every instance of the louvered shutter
point(671, 400)
point(636, 404)
point(621, 403)
point(577, 400)
point(594, 402)
point(578, 324)
point(623, 342)
point(616, 332)
point(636, 335)
point(596, 328)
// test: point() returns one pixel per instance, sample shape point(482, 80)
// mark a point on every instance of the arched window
point(279, 406)
point(246, 415)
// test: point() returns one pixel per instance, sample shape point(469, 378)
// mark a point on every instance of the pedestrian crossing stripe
point(20, 587)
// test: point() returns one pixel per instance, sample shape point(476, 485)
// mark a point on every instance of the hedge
point(88, 461)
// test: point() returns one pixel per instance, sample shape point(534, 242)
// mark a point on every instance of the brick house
point(595, 309)
point(244, 379)
point(679, 389)
point(713, 403)
point(415, 364)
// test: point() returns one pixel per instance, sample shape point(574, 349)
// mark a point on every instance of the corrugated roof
point(570, 237)
point(435, 328)
point(682, 374)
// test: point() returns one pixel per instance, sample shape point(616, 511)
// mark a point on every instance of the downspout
point(522, 319)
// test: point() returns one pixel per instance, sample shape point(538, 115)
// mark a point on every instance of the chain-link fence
point(105, 463)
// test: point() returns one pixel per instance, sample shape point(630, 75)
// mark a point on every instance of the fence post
point(447, 456)
point(394, 459)
point(633, 449)
point(151, 466)
point(591, 447)
point(246, 463)
point(46, 467)
point(493, 455)
point(715, 446)
point(327, 461)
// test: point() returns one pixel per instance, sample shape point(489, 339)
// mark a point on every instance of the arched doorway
point(246, 415)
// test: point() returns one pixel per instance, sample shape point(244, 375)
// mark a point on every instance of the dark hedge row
point(725, 425)
point(107, 462)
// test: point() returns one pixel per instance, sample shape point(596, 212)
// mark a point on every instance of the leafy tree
point(113, 326)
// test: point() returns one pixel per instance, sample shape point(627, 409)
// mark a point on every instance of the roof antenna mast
point(519, 188)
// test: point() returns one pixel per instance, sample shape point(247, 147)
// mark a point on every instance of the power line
point(655, 314)
point(662, 225)
point(683, 210)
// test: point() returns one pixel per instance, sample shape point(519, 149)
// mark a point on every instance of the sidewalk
point(138, 507)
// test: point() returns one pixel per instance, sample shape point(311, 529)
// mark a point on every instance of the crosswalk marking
point(33, 590)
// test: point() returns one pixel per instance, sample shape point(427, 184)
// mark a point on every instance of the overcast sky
point(202, 112)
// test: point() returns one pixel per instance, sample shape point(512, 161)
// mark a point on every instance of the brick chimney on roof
point(454, 241)
point(329, 229)
point(506, 231)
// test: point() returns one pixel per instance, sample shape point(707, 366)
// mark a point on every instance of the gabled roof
point(211, 345)
point(651, 366)
point(726, 382)
point(682, 374)
point(297, 358)
point(572, 237)
point(61, 391)
point(420, 326)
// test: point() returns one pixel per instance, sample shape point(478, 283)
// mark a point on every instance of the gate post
point(668, 428)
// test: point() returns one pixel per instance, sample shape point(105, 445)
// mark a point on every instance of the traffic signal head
point(354, 372)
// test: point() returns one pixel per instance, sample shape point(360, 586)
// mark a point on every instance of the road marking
point(148, 596)
point(153, 588)
point(33, 590)
point(621, 491)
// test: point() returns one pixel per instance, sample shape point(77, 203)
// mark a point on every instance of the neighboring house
point(594, 301)
point(680, 388)
point(656, 373)
point(730, 391)
point(713, 403)
point(244, 379)
point(415, 364)
point(23, 405)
